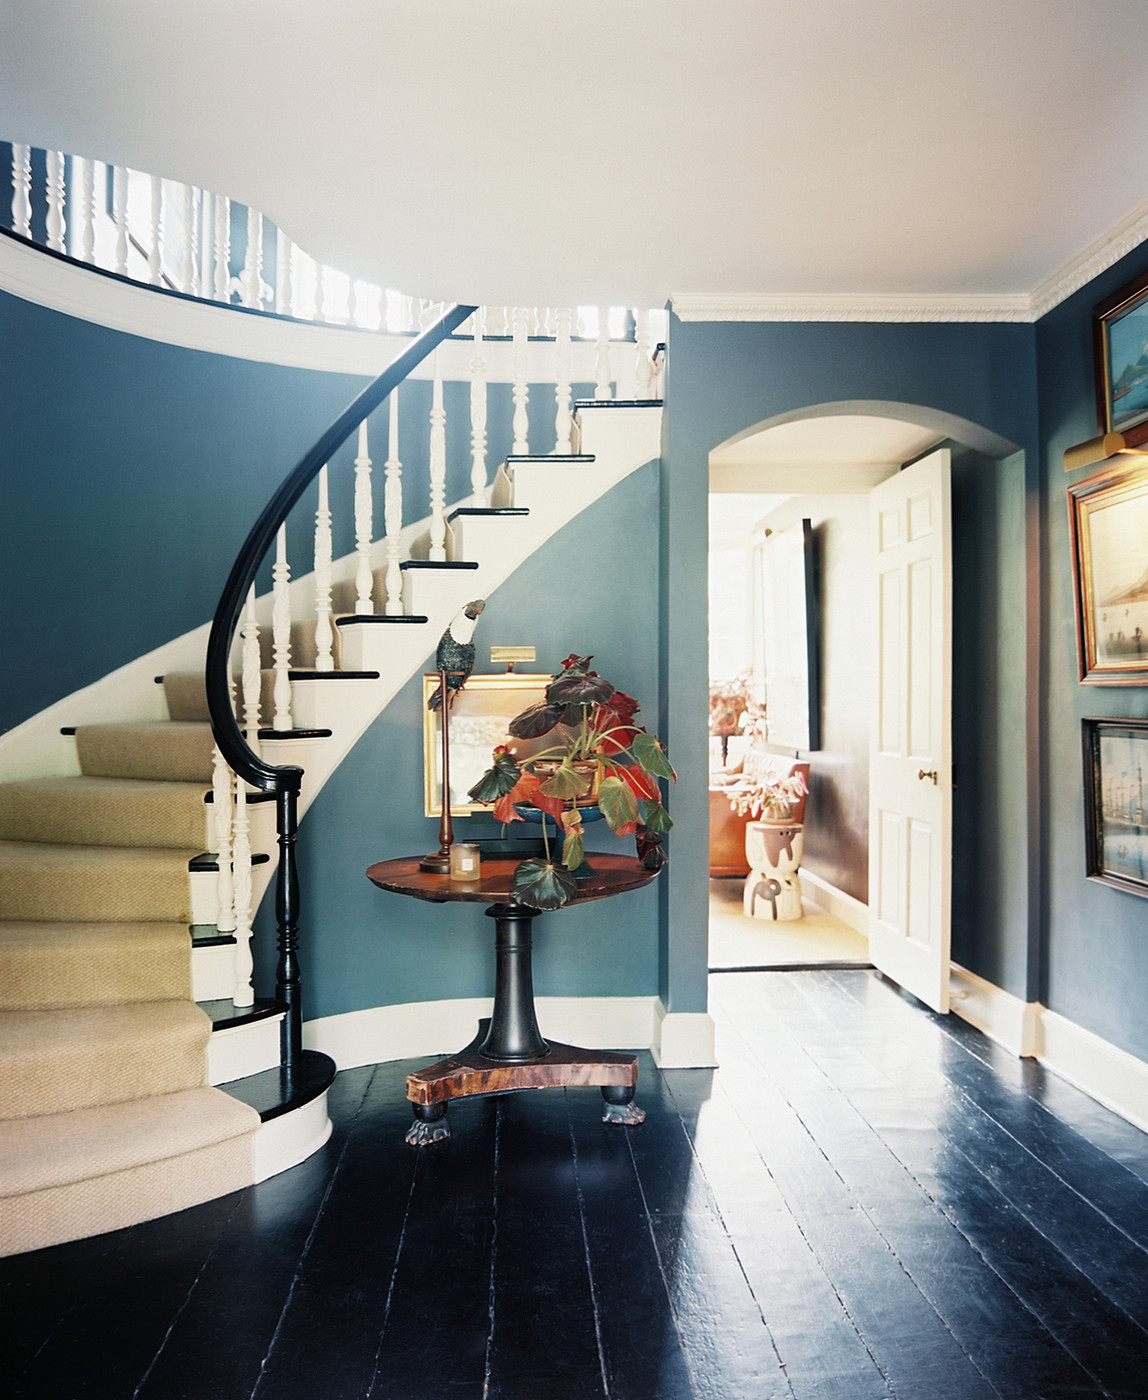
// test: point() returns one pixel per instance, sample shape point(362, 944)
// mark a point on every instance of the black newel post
point(287, 989)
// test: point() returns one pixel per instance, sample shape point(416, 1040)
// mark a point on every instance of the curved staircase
point(107, 932)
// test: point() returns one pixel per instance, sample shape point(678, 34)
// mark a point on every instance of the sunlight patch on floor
point(737, 941)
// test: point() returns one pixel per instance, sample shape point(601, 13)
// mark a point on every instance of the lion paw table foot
point(430, 1124)
point(620, 1105)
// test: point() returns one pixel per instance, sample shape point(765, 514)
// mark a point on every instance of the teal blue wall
point(130, 473)
point(724, 379)
point(1095, 942)
point(592, 589)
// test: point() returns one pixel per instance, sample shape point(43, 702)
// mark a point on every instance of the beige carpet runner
point(105, 1114)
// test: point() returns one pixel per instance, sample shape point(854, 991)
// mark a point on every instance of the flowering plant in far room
point(598, 756)
point(768, 797)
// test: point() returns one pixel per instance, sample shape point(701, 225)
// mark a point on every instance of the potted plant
point(596, 756)
point(768, 798)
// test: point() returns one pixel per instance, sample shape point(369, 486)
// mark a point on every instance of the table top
point(611, 874)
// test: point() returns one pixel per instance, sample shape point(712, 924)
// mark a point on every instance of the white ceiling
point(525, 151)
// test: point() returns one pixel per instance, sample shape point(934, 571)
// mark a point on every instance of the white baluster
point(155, 233)
point(251, 280)
point(320, 313)
point(284, 287)
point(563, 423)
point(252, 674)
point(281, 632)
point(222, 824)
point(203, 274)
point(87, 184)
point(645, 365)
point(222, 278)
point(437, 550)
point(478, 411)
point(352, 303)
point(364, 527)
point(120, 217)
point(57, 224)
point(22, 190)
point(324, 638)
point(602, 358)
point(521, 391)
point(187, 265)
point(393, 511)
point(243, 994)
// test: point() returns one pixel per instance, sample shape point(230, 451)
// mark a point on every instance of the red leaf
point(522, 791)
point(640, 782)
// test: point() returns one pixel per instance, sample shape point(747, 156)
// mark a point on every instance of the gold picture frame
point(1108, 519)
point(1120, 331)
point(479, 721)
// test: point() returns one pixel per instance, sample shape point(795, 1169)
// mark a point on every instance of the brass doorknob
point(928, 773)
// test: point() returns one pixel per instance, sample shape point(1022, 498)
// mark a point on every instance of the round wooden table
point(509, 1052)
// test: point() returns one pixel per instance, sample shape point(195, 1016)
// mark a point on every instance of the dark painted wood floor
point(865, 1201)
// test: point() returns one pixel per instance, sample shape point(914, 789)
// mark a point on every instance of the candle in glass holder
point(464, 861)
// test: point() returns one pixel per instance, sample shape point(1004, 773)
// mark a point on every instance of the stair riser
point(85, 1073)
point(142, 891)
point(133, 965)
point(159, 821)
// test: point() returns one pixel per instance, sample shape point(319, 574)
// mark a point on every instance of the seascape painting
point(1128, 367)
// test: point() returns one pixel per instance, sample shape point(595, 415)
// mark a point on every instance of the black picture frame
point(1115, 798)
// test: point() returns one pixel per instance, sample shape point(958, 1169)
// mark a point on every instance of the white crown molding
point(815, 306)
point(1098, 257)
point(1020, 307)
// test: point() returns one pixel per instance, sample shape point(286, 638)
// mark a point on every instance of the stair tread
point(59, 1148)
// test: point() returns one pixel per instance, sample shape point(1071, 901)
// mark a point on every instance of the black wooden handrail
point(224, 724)
point(285, 781)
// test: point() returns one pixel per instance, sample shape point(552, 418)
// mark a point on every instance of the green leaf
point(565, 782)
point(573, 850)
point(648, 751)
point(617, 801)
point(497, 781)
point(542, 885)
point(656, 817)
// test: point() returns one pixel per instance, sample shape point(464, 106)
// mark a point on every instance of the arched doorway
point(820, 464)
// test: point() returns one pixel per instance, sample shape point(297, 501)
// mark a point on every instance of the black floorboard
point(866, 1201)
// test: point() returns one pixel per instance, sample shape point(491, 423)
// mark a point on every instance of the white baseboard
point(424, 1029)
point(834, 901)
point(1003, 1017)
point(1102, 1070)
point(1108, 1074)
point(683, 1039)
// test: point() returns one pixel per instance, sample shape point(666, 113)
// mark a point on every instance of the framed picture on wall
point(479, 720)
point(1116, 802)
point(1108, 519)
point(1120, 336)
point(790, 616)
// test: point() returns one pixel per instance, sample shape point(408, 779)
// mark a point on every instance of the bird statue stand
point(454, 661)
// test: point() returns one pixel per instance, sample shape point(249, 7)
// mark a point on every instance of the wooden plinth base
point(469, 1072)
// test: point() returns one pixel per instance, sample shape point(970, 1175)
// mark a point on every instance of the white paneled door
point(910, 773)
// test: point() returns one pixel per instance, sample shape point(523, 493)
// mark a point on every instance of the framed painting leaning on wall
point(1108, 518)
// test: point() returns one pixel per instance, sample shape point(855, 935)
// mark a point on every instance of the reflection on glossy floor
point(865, 1202)
point(816, 939)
